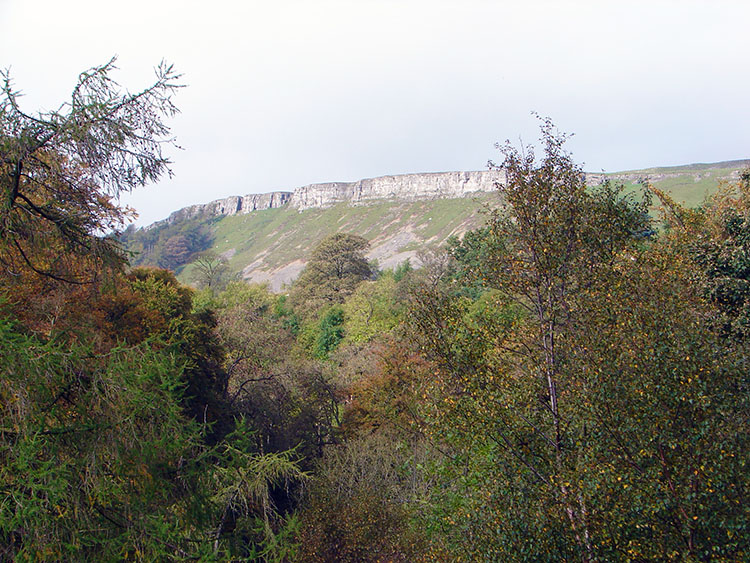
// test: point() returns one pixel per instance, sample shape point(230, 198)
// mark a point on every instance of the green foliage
point(372, 310)
point(330, 331)
point(151, 304)
point(569, 387)
point(356, 509)
point(663, 391)
point(93, 452)
point(724, 255)
point(172, 246)
point(336, 267)
point(287, 316)
point(587, 408)
point(284, 394)
point(99, 458)
point(242, 294)
point(473, 254)
point(402, 270)
point(365, 493)
point(649, 388)
point(243, 485)
point(119, 437)
point(211, 271)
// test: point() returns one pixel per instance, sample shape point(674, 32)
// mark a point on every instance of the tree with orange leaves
point(61, 170)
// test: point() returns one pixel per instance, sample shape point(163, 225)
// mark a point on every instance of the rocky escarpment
point(413, 187)
point(406, 187)
point(232, 205)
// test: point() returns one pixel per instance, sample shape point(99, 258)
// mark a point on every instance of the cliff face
point(437, 185)
point(228, 206)
point(254, 202)
point(406, 187)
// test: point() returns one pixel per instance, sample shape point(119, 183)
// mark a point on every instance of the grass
point(277, 237)
point(689, 184)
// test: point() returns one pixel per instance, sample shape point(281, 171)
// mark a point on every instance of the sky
point(284, 93)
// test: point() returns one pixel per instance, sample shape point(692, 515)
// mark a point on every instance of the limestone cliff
point(406, 187)
point(232, 205)
point(433, 185)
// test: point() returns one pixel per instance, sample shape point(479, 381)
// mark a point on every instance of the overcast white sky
point(283, 93)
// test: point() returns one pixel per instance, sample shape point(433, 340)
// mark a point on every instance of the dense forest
point(567, 383)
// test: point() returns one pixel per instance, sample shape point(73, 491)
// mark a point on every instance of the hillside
point(689, 184)
point(267, 237)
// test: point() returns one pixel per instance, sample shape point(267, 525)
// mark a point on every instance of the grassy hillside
point(688, 184)
point(271, 245)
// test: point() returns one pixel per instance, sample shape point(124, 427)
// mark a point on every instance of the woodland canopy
point(566, 383)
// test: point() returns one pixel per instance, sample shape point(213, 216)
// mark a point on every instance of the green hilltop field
point(688, 184)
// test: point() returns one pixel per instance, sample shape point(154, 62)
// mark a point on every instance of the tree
point(372, 309)
point(60, 170)
point(588, 404)
point(718, 238)
point(99, 462)
point(330, 332)
point(336, 267)
point(358, 505)
point(118, 439)
point(285, 396)
point(211, 271)
point(664, 397)
point(508, 390)
point(92, 449)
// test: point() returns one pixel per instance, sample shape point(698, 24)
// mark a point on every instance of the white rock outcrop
point(272, 200)
point(227, 206)
point(404, 187)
